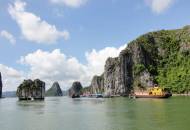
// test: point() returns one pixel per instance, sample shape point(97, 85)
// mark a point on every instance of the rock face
point(1, 86)
point(31, 90)
point(112, 78)
point(76, 90)
point(127, 70)
point(55, 90)
point(98, 84)
point(144, 62)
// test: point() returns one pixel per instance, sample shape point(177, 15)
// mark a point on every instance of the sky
point(70, 40)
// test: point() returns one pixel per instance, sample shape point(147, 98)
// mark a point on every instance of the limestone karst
point(55, 90)
point(29, 89)
point(160, 57)
point(76, 90)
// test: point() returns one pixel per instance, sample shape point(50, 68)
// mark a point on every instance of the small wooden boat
point(155, 92)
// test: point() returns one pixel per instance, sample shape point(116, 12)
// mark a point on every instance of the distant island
point(9, 94)
point(55, 90)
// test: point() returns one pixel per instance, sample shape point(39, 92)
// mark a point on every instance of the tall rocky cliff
point(161, 57)
point(97, 84)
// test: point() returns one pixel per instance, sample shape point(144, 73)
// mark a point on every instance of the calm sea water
point(96, 114)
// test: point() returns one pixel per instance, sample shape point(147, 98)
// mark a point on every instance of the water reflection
point(146, 114)
point(92, 101)
point(150, 113)
point(34, 106)
point(120, 117)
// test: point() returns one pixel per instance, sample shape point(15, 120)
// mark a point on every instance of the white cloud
point(56, 66)
point(11, 77)
point(159, 6)
point(5, 34)
point(33, 27)
point(70, 3)
point(96, 59)
point(53, 64)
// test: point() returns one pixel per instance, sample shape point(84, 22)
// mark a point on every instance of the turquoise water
point(96, 114)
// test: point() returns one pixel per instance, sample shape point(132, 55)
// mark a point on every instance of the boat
point(96, 96)
point(154, 92)
point(93, 96)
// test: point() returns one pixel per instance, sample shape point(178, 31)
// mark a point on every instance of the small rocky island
point(55, 90)
point(76, 90)
point(1, 86)
point(29, 90)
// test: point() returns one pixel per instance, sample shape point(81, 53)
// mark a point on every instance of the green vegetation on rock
point(161, 57)
point(138, 68)
point(170, 52)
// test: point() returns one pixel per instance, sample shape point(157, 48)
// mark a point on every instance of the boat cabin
point(156, 91)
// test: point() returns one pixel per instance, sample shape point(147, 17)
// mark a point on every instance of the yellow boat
point(155, 92)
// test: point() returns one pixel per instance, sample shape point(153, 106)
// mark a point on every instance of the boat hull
point(153, 96)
